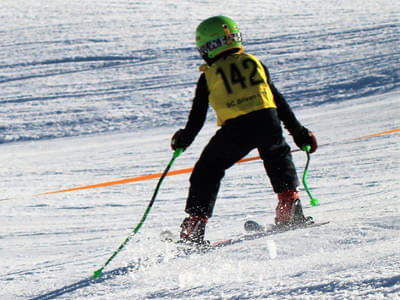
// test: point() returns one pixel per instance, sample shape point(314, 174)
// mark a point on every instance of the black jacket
point(200, 105)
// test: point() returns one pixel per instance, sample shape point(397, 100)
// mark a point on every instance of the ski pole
point(177, 152)
point(313, 201)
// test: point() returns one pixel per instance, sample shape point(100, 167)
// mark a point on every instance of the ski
point(255, 227)
point(253, 230)
point(256, 231)
point(183, 248)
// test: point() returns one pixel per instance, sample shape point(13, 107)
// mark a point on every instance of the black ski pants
point(234, 140)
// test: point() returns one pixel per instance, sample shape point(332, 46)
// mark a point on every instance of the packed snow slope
point(91, 91)
point(73, 68)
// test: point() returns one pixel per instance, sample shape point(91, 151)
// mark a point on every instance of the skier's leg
point(220, 154)
point(279, 165)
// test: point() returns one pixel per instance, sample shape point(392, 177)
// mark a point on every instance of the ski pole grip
point(178, 152)
point(306, 148)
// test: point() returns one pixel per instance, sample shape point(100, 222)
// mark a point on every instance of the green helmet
point(216, 35)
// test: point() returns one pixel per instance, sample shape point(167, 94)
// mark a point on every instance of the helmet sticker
point(233, 37)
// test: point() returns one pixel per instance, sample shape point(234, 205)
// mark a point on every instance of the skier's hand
point(303, 137)
point(180, 140)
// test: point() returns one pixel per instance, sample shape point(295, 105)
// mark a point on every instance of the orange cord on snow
point(182, 171)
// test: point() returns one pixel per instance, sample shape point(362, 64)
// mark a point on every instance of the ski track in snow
point(93, 91)
point(102, 72)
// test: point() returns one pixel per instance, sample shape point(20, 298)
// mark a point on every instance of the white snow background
point(92, 91)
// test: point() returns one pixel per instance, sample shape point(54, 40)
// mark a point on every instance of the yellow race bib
point(238, 85)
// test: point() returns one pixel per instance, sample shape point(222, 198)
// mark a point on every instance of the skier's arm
point(197, 116)
point(285, 113)
point(301, 135)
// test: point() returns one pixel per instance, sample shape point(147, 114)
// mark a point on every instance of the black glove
point(303, 137)
point(180, 140)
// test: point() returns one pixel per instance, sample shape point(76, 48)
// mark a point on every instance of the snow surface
point(91, 91)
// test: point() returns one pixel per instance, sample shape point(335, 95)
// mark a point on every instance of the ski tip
point(167, 236)
point(97, 273)
point(251, 225)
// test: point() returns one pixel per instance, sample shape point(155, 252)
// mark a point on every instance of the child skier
point(249, 109)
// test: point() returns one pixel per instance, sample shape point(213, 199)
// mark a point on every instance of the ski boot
point(193, 228)
point(289, 212)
